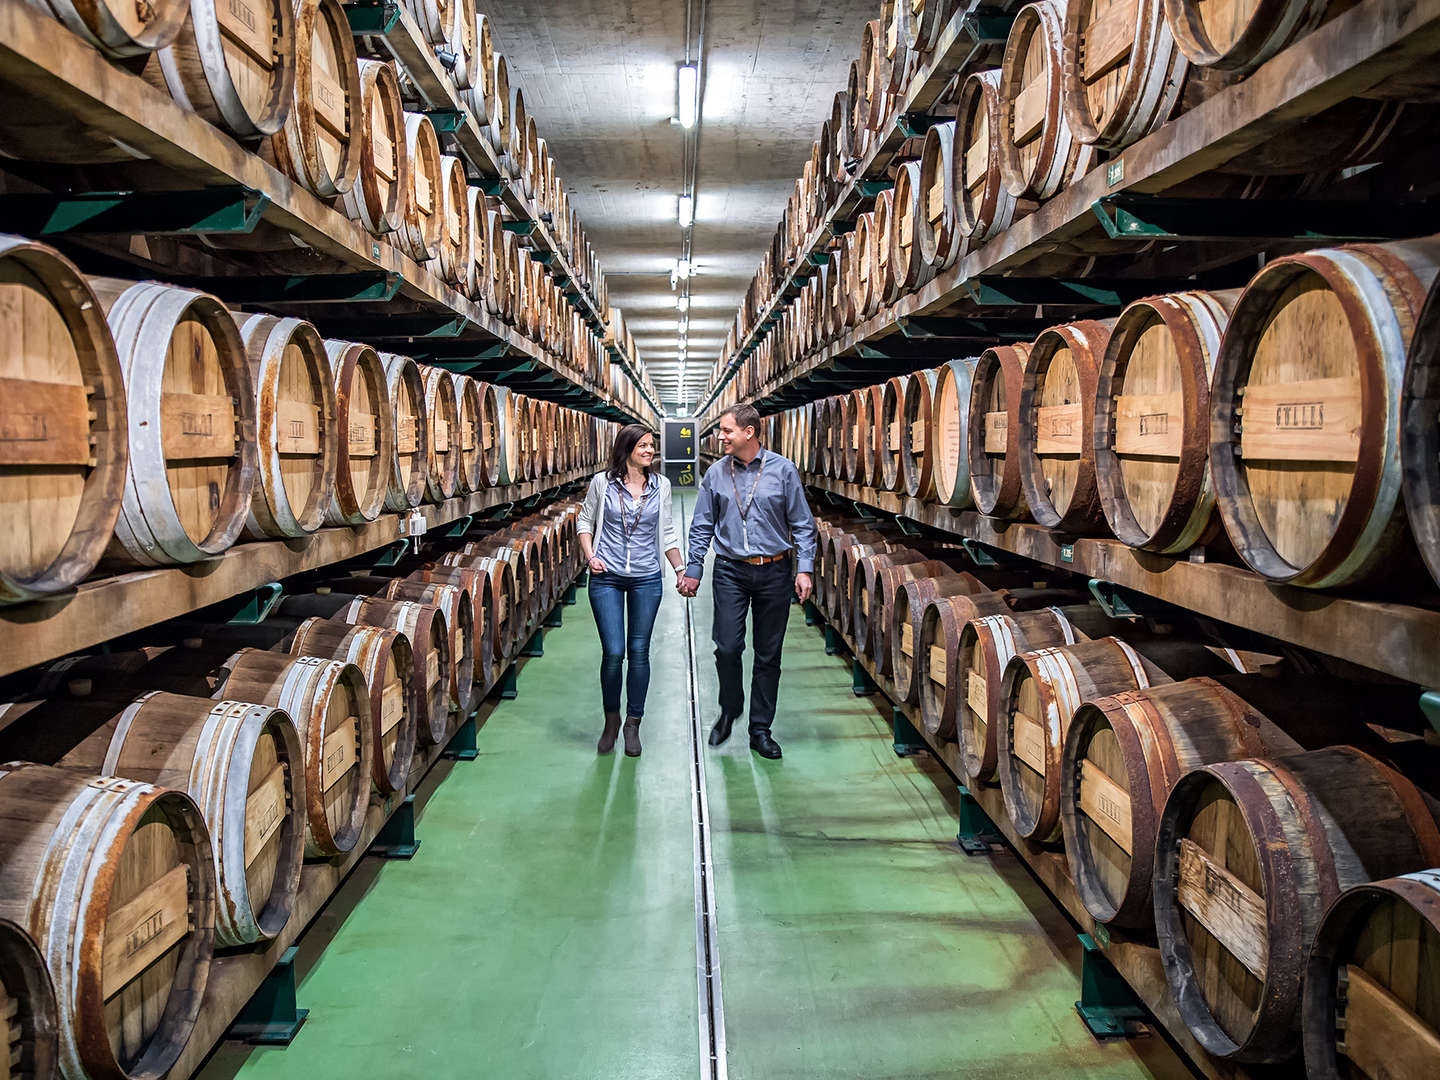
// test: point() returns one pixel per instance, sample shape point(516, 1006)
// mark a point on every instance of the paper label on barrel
point(362, 434)
point(975, 694)
point(1314, 420)
point(197, 425)
point(43, 423)
point(1028, 741)
point(143, 929)
point(1106, 803)
point(432, 668)
point(382, 146)
point(1230, 910)
point(907, 639)
point(894, 436)
point(297, 427)
point(246, 26)
point(329, 98)
point(341, 753)
point(440, 433)
point(1152, 425)
point(392, 705)
point(1108, 39)
point(937, 664)
point(264, 813)
point(997, 429)
point(917, 437)
point(1059, 429)
point(406, 435)
point(1030, 109)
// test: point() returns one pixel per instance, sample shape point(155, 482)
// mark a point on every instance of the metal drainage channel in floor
point(707, 946)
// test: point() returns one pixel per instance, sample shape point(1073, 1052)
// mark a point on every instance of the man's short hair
point(744, 416)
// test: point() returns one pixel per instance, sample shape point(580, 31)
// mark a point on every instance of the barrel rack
point(361, 287)
point(1118, 206)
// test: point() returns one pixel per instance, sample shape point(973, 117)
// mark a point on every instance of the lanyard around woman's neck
point(628, 527)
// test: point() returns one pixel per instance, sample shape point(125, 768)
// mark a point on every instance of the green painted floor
point(546, 927)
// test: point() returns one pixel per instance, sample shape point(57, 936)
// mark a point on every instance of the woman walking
point(623, 527)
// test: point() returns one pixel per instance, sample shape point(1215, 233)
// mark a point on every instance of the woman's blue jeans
point(610, 596)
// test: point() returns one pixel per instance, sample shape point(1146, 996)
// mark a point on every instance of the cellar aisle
point(546, 927)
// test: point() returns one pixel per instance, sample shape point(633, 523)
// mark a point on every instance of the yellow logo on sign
point(687, 476)
point(685, 432)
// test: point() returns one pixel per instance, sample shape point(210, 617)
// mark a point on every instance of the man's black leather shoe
point(721, 731)
point(764, 745)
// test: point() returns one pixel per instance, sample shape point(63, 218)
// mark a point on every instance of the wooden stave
point(78, 883)
point(941, 242)
point(442, 477)
point(365, 647)
point(294, 149)
point(455, 602)
point(25, 979)
point(1005, 500)
point(1336, 938)
point(996, 208)
point(148, 531)
point(1086, 340)
point(1160, 739)
point(266, 339)
point(908, 606)
point(1261, 789)
point(348, 506)
point(209, 746)
point(1065, 677)
point(406, 489)
point(304, 687)
point(1195, 321)
point(363, 203)
point(958, 374)
point(193, 71)
point(1370, 540)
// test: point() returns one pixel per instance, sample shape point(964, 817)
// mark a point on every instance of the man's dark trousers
point(766, 590)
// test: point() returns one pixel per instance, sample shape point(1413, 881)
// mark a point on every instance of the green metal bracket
point(1114, 600)
point(861, 685)
point(378, 287)
point(568, 598)
point(818, 258)
point(976, 833)
point(871, 188)
point(544, 258)
point(508, 684)
point(1107, 1005)
point(1135, 216)
point(913, 125)
point(270, 1017)
point(979, 554)
point(908, 741)
point(833, 642)
point(372, 17)
point(554, 619)
point(1026, 292)
point(462, 745)
point(229, 209)
point(460, 527)
point(396, 838)
point(536, 645)
point(1430, 706)
point(392, 555)
point(391, 327)
point(908, 527)
point(259, 605)
point(520, 228)
point(445, 120)
point(989, 27)
point(492, 185)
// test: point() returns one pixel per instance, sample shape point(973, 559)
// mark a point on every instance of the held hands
point(596, 566)
point(687, 586)
point(803, 587)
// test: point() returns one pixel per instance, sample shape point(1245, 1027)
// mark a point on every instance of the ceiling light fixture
point(686, 214)
point(689, 78)
point(682, 303)
point(684, 268)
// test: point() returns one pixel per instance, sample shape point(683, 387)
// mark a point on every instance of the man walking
point(753, 507)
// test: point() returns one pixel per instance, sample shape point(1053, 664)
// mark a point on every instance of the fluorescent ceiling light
point(686, 213)
point(682, 303)
point(689, 86)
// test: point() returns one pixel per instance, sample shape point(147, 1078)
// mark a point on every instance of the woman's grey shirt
point(600, 517)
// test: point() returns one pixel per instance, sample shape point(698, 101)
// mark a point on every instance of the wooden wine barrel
point(377, 199)
point(63, 461)
point(994, 435)
point(871, 435)
point(120, 30)
point(485, 595)
point(873, 75)
point(852, 420)
point(233, 63)
point(419, 237)
point(984, 206)
point(1420, 435)
point(330, 703)
point(515, 141)
point(498, 127)
point(386, 659)
point(191, 410)
point(950, 413)
point(243, 765)
point(442, 478)
point(1239, 38)
point(1122, 756)
point(127, 926)
point(1305, 412)
point(366, 431)
point(409, 468)
point(937, 654)
point(477, 284)
point(1123, 71)
point(938, 228)
point(455, 602)
point(1039, 693)
point(889, 442)
point(908, 269)
point(295, 426)
point(907, 611)
point(27, 997)
point(454, 253)
point(461, 41)
point(1039, 155)
point(864, 571)
point(479, 97)
point(506, 449)
point(876, 618)
point(916, 457)
point(1152, 418)
point(901, 60)
point(432, 17)
point(319, 146)
point(468, 434)
point(1057, 419)
point(883, 269)
point(1248, 856)
point(1370, 1007)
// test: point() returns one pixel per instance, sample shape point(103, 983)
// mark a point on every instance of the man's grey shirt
point(779, 518)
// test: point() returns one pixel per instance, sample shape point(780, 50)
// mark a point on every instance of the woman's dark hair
point(624, 446)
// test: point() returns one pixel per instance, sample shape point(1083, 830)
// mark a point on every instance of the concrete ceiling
point(599, 77)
